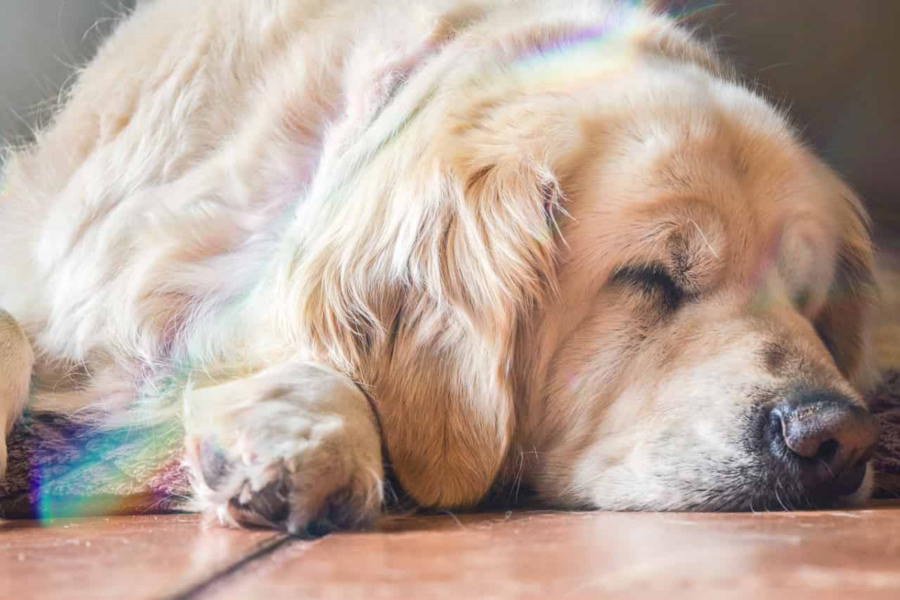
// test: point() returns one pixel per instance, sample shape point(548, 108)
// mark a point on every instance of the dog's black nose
point(829, 437)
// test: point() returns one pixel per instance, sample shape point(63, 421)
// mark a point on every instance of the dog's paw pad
point(341, 511)
point(267, 507)
point(308, 495)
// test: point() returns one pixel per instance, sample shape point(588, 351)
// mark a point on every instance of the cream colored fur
point(247, 209)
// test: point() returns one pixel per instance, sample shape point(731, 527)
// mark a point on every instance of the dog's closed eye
point(654, 282)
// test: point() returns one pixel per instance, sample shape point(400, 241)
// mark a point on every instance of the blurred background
point(836, 63)
point(41, 44)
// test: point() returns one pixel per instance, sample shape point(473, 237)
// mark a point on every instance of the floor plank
point(821, 556)
point(120, 557)
point(546, 555)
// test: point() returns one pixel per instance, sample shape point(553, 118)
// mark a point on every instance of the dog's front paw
point(304, 487)
point(307, 467)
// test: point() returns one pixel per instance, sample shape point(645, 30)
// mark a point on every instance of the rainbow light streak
point(99, 472)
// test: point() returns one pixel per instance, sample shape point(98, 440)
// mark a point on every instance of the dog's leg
point(16, 362)
point(295, 446)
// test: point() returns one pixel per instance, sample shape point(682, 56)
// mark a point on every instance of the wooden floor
point(555, 556)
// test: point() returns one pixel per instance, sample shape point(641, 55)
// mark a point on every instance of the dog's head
point(611, 267)
point(707, 344)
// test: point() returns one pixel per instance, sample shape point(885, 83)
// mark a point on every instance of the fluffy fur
point(312, 231)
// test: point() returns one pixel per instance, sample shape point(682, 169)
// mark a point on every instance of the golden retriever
point(488, 243)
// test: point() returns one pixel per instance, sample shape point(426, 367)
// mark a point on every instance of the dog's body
point(507, 241)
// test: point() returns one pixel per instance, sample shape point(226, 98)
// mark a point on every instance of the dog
point(483, 244)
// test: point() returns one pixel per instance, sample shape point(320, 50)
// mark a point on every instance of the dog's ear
point(418, 293)
point(498, 247)
point(483, 261)
point(846, 321)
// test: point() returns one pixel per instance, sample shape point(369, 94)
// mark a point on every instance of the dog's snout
point(828, 438)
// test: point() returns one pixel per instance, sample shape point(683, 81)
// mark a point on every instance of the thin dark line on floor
point(262, 550)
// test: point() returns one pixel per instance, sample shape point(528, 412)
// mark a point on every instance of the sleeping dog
point(488, 243)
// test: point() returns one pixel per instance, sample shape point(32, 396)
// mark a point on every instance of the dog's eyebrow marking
point(775, 356)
